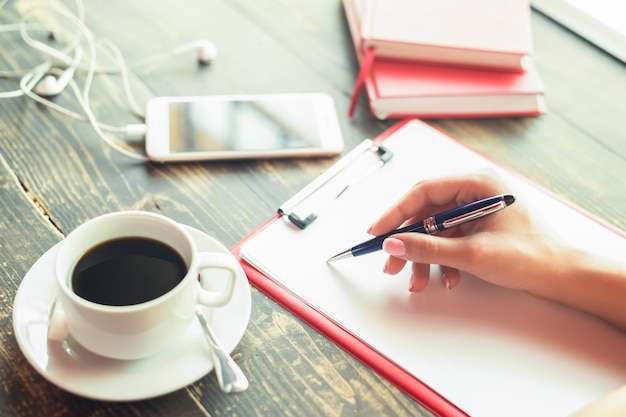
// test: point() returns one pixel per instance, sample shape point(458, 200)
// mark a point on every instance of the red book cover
point(397, 89)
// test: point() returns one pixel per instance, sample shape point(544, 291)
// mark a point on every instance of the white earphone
point(207, 51)
point(57, 72)
point(49, 85)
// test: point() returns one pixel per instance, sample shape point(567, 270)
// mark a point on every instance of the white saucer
point(85, 374)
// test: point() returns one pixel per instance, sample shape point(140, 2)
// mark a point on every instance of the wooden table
point(55, 173)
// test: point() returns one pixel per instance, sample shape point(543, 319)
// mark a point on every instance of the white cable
point(23, 27)
point(123, 69)
point(31, 78)
point(81, 97)
point(89, 116)
point(15, 27)
point(105, 138)
point(28, 78)
point(73, 39)
point(84, 98)
point(91, 69)
point(27, 83)
point(207, 48)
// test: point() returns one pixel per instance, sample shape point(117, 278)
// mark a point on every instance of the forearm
point(587, 283)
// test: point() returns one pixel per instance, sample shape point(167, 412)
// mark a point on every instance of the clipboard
point(550, 349)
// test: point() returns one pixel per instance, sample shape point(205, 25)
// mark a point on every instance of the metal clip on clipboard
point(302, 208)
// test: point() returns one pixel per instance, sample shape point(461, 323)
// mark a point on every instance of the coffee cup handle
point(57, 323)
point(216, 260)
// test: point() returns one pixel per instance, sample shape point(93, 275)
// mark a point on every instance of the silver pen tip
point(345, 254)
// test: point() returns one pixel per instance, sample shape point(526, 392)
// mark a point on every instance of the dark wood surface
point(56, 173)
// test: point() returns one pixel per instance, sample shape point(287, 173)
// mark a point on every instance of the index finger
point(432, 196)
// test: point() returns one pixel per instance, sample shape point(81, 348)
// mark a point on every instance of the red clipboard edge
point(397, 376)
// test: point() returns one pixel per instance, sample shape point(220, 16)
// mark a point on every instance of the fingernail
point(394, 247)
point(386, 267)
point(411, 284)
point(446, 281)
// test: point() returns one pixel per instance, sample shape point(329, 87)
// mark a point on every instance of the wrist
point(586, 282)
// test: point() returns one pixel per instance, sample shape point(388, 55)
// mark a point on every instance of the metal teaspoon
point(230, 377)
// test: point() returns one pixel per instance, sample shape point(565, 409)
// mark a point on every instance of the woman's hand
point(505, 248)
point(508, 249)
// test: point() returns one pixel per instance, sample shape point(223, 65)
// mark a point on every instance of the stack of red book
point(445, 58)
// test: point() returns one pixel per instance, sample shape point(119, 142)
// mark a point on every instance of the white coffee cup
point(138, 330)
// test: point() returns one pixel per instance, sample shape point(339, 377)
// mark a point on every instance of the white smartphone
point(242, 126)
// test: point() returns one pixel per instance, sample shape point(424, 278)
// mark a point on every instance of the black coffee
point(127, 271)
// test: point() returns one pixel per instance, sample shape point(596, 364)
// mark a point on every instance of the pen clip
point(476, 214)
point(333, 182)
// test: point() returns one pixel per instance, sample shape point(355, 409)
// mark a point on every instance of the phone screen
point(245, 125)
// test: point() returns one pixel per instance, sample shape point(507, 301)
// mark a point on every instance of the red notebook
point(484, 33)
point(404, 88)
point(478, 349)
point(397, 89)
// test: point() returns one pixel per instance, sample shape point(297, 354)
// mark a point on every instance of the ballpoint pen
point(434, 224)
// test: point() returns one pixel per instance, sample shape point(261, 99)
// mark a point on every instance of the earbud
point(207, 51)
point(50, 86)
